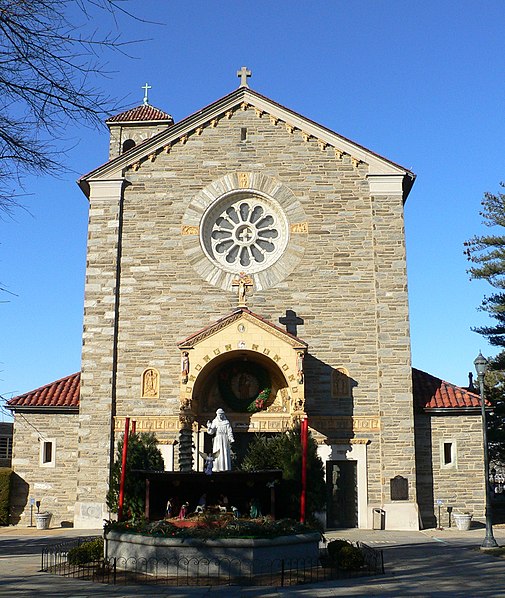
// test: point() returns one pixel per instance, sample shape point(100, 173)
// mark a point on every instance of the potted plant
point(463, 520)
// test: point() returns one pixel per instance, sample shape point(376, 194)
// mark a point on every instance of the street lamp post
point(481, 366)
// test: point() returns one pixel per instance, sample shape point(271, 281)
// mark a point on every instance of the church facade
point(249, 259)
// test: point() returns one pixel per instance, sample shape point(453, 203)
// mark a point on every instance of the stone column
point(397, 450)
point(98, 371)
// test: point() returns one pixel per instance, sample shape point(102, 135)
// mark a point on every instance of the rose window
point(244, 232)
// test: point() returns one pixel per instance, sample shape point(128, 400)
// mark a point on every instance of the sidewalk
point(427, 563)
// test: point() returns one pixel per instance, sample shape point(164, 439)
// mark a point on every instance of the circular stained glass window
point(244, 231)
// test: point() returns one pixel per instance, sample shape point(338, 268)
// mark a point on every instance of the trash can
point(379, 519)
point(43, 520)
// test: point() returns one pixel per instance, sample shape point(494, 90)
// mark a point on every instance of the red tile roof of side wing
point(145, 112)
point(433, 393)
point(62, 393)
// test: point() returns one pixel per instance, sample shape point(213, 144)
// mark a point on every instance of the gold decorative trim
point(199, 131)
point(183, 139)
point(355, 162)
point(322, 144)
point(259, 113)
point(152, 156)
point(135, 166)
point(231, 319)
point(244, 106)
point(189, 230)
point(213, 123)
point(147, 423)
point(327, 424)
point(339, 154)
point(300, 227)
point(167, 148)
point(289, 128)
point(229, 114)
point(306, 136)
point(273, 119)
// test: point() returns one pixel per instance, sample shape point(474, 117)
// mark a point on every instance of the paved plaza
point(427, 563)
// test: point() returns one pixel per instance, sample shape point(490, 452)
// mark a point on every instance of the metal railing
point(204, 571)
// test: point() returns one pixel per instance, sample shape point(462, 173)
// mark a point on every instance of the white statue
point(220, 428)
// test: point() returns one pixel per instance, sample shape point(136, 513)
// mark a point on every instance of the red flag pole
point(304, 431)
point(123, 468)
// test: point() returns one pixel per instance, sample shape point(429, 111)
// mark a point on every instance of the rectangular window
point(47, 453)
point(448, 454)
point(5, 447)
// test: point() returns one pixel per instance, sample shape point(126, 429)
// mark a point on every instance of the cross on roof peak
point(243, 73)
point(146, 87)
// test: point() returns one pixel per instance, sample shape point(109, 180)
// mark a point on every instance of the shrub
point(284, 452)
point(350, 558)
point(143, 454)
point(5, 487)
point(344, 555)
point(86, 552)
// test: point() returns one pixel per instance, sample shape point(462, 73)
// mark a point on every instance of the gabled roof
point(433, 393)
point(241, 312)
point(244, 98)
point(63, 393)
point(140, 114)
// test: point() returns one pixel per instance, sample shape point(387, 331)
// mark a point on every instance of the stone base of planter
point(233, 557)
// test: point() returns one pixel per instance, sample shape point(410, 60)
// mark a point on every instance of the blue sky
point(421, 83)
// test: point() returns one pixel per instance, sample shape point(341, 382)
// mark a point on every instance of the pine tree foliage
point(143, 454)
point(284, 451)
point(487, 254)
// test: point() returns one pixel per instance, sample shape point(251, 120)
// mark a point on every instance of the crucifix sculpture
point(243, 73)
point(242, 282)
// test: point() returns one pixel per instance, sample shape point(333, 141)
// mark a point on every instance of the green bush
point(284, 451)
point(143, 454)
point(5, 488)
point(334, 548)
point(86, 552)
point(344, 555)
point(350, 558)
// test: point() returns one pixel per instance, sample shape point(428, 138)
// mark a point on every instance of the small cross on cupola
point(244, 73)
point(146, 88)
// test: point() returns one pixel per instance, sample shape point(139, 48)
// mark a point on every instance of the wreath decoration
point(229, 374)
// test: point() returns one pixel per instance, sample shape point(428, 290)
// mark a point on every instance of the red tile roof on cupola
point(62, 393)
point(142, 113)
point(433, 393)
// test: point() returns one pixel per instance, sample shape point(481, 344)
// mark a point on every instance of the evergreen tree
point(284, 452)
point(143, 454)
point(487, 254)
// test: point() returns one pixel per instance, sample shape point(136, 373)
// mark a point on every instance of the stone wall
point(349, 287)
point(460, 484)
point(54, 485)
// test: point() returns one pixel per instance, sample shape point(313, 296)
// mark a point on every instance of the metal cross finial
point(146, 87)
point(243, 73)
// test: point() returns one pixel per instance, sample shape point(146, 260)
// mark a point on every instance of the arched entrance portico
point(246, 366)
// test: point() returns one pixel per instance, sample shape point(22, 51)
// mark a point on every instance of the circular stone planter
point(463, 521)
point(231, 556)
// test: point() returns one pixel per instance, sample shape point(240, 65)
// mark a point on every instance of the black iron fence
point(206, 572)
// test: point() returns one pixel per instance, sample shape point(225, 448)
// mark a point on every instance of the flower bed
point(236, 547)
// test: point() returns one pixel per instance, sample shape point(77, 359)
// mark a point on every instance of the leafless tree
point(51, 55)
